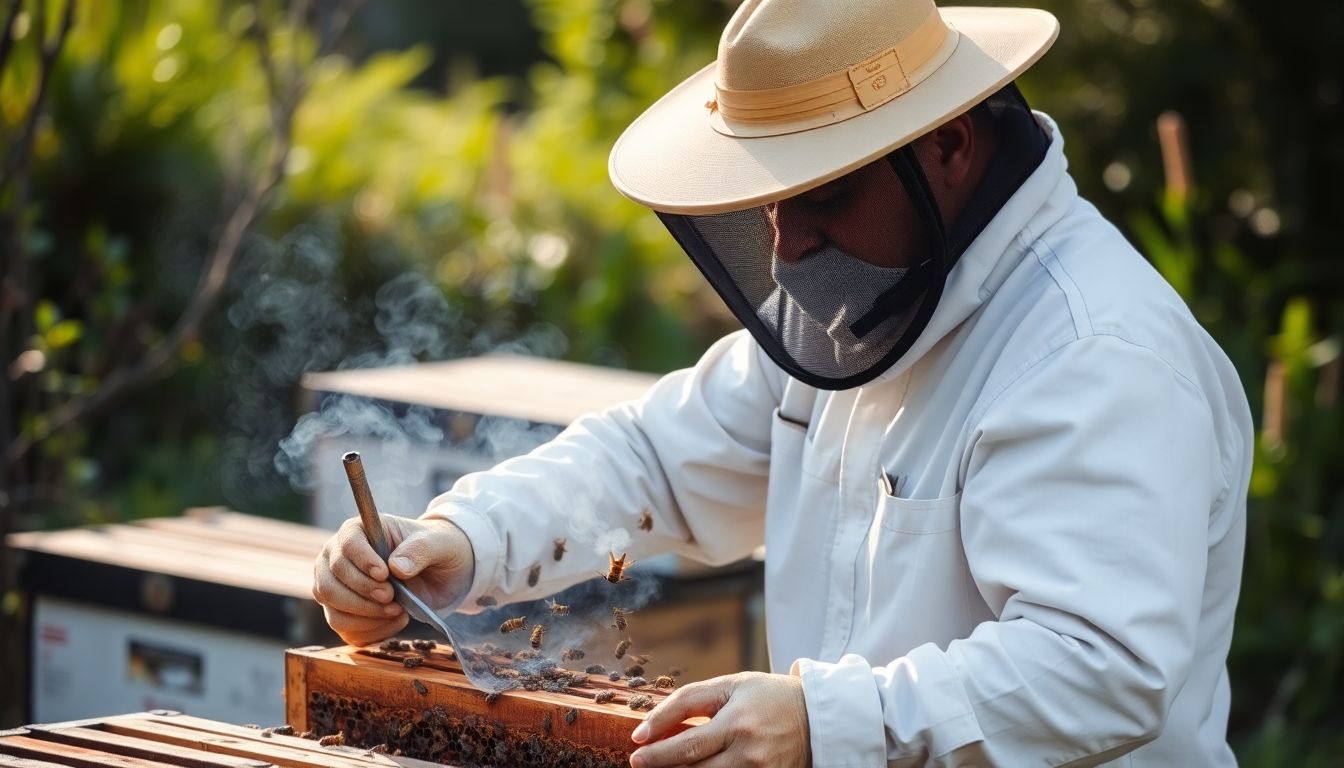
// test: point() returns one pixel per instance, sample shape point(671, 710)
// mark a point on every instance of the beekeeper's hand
point(756, 720)
point(433, 557)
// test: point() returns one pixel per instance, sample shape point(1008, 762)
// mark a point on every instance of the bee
point(622, 647)
point(664, 683)
point(492, 697)
point(558, 609)
point(616, 569)
point(534, 574)
point(637, 682)
point(538, 634)
point(596, 669)
point(676, 671)
point(486, 601)
point(334, 740)
point(573, 654)
point(419, 687)
point(512, 625)
point(620, 615)
point(283, 730)
point(641, 702)
point(411, 662)
point(614, 676)
point(634, 670)
point(603, 697)
point(559, 549)
point(639, 658)
point(645, 521)
point(571, 716)
point(405, 729)
point(525, 656)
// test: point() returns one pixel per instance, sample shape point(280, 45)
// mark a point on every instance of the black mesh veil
point(838, 281)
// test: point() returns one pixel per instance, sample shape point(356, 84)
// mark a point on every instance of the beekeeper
point(999, 469)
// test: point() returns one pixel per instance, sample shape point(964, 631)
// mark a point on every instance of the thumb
point(705, 698)
point(414, 554)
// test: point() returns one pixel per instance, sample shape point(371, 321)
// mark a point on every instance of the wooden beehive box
point(162, 738)
point(430, 711)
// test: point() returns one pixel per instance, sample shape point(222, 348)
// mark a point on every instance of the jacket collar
point(1038, 204)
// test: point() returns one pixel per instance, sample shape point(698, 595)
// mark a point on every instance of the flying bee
point(573, 654)
point(558, 609)
point(634, 670)
point(559, 549)
point(622, 647)
point(676, 671)
point(534, 574)
point(538, 634)
point(639, 658)
point(620, 615)
point(645, 521)
point(616, 569)
point(512, 625)
point(664, 682)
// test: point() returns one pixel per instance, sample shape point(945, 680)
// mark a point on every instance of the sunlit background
point(203, 200)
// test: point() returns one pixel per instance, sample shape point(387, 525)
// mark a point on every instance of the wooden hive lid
point(513, 386)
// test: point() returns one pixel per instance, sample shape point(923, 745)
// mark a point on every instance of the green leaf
point(46, 315)
point(64, 333)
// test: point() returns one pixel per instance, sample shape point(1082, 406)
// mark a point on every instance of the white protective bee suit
point(1021, 545)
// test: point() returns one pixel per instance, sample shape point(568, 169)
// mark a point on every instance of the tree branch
point(160, 359)
point(22, 150)
point(7, 42)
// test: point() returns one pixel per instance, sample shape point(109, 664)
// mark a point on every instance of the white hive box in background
point(189, 613)
point(479, 411)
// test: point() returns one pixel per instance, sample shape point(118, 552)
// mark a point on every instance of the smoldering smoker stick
point(368, 511)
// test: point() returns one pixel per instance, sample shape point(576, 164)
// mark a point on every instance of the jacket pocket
point(917, 579)
point(918, 517)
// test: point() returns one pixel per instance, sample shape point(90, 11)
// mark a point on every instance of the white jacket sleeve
point(1088, 485)
point(694, 452)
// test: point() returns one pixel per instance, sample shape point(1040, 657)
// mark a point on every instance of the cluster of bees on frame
point(552, 676)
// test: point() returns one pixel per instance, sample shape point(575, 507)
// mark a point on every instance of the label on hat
point(879, 79)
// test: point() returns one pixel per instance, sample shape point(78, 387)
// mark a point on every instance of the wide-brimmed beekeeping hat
point(804, 91)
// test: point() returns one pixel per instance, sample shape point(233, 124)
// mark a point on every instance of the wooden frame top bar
point(160, 739)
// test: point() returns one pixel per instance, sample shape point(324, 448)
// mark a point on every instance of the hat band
point(849, 92)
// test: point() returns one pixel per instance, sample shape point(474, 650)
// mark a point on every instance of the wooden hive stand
point(429, 710)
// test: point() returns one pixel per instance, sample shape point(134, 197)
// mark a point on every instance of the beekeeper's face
point(866, 214)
